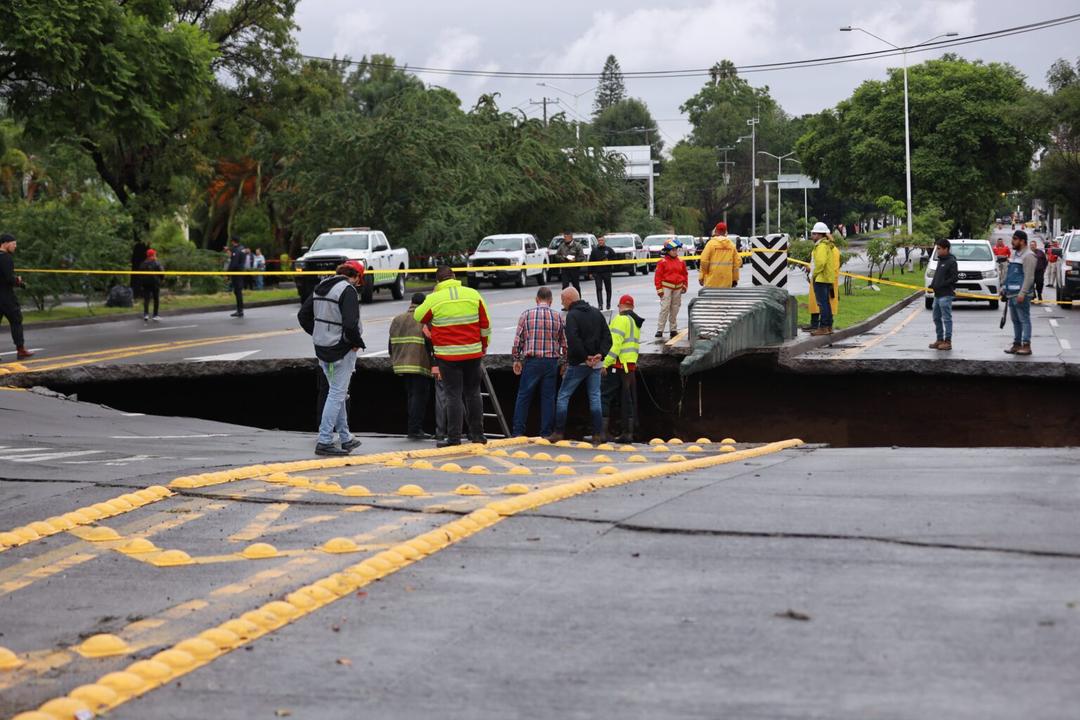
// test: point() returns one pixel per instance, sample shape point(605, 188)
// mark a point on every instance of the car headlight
point(990, 273)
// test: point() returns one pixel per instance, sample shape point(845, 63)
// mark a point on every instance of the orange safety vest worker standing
point(720, 261)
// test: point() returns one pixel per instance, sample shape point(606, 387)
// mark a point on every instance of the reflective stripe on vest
point(450, 350)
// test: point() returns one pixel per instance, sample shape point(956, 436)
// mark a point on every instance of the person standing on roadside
point(1017, 290)
point(588, 341)
point(720, 261)
point(258, 263)
point(237, 263)
point(1041, 263)
point(1051, 264)
point(946, 275)
point(9, 301)
point(460, 330)
point(671, 282)
point(602, 273)
point(332, 317)
point(151, 284)
point(620, 369)
point(411, 360)
point(569, 251)
point(823, 277)
point(834, 302)
point(538, 351)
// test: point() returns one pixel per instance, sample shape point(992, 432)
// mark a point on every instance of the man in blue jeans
point(1017, 289)
point(943, 284)
point(588, 340)
point(538, 351)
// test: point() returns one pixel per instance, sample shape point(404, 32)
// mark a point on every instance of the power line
point(742, 69)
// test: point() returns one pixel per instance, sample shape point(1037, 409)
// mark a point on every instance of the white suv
point(976, 266)
point(511, 258)
point(628, 246)
point(1068, 280)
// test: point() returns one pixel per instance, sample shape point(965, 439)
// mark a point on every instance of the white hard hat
point(821, 228)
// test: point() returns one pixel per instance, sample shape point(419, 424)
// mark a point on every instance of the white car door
point(380, 256)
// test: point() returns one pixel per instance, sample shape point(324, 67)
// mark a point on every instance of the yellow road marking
point(852, 352)
point(261, 522)
point(44, 572)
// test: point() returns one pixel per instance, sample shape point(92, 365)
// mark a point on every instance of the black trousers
point(603, 282)
point(10, 309)
point(620, 387)
point(463, 401)
point(238, 291)
point(149, 293)
point(570, 277)
point(417, 391)
point(1040, 282)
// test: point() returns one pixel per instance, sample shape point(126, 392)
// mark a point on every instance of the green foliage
point(627, 122)
point(635, 218)
point(878, 252)
point(687, 221)
point(1058, 178)
point(253, 226)
point(612, 89)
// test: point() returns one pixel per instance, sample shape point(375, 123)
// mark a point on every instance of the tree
point(612, 89)
point(1057, 179)
point(627, 122)
point(974, 130)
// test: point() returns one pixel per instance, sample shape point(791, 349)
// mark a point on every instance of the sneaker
point(1013, 349)
point(1024, 349)
point(329, 449)
point(419, 436)
point(479, 440)
point(22, 353)
point(439, 439)
point(237, 315)
point(447, 443)
point(351, 444)
point(945, 345)
point(936, 345)
point(156, 318)
point(146, 318)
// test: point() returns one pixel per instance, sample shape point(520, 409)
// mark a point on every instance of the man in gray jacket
point(1017, 290)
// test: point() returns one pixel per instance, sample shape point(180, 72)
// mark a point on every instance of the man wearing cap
point(671, 282)
point(538, 351)
point(1017, 290)
point(9, 302)
point(823, 277)
point(411, 358)
point(331, 315)
point(720, 261)
point(238, 263)
point(620, 365)
point(150, 285)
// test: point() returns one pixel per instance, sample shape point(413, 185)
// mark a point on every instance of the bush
point(252, 224)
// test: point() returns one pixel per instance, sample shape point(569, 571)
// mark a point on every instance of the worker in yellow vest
point(824, 277)
point(834, 301)
point(620, 369)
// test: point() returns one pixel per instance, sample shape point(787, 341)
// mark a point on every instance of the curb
point(122, 317)
point(795, 348)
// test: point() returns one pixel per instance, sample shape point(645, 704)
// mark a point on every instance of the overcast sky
point(576, 36)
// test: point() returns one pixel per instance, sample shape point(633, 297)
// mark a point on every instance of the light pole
point(753, 123)
point(726, 165)
point(779, 164)
point(576, 97)
point(907, 116)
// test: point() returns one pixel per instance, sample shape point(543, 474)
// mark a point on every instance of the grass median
point(168, 302)
point(864, 301)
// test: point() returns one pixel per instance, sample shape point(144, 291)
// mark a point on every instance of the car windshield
point(340, 241)
point(496, 244)
point(974, 251)
point(654, 240)
point(619, 241)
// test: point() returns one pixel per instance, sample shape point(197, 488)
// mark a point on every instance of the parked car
point(587, 241)
point(512, 258)
point(977, 268)
point(386, 267)
point(628, 246)
point(654, 245)
point(1068, 287)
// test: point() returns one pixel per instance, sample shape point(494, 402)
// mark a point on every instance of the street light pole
point(576, 97)
point(907, 115)
point(725, 164)
point(779, 165)
point(753, 123)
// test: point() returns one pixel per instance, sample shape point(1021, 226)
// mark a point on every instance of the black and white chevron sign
point(769, 268)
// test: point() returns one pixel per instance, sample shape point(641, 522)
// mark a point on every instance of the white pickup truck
point(386, 267)
point(511, 258)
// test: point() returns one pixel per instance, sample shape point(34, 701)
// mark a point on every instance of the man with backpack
point(331, 315)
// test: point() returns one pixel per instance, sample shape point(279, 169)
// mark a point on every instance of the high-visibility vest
point(408, 351)
point(625, 342)
point(459, 322)
point(329, 331)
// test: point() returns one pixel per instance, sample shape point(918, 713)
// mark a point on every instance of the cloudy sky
point(576, 36)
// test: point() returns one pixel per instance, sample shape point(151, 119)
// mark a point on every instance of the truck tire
point(398, 288)
point(633, 270)
point(541, 277)
point(995, 304)
point(367, 290)
point(521, 279)
point(1064, 297)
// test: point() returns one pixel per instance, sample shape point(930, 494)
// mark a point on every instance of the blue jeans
point(575, 375)
point(334, 419)
point(1021, 320)
point(536, 371)
point(943, 316)
point(822, 293)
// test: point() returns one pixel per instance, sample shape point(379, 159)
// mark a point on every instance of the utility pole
point(545, 101)
point(725, 165)
point(753, 123)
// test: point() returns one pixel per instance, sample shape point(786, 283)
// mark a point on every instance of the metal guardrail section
point(729, 322)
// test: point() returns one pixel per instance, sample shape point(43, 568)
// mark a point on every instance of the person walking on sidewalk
point(9, 301)
point(332, 317)
point(237, 263)
point(823, 277)
point(671, 281)
point(150, 285)
point(602, 273)
point(1017, 290)
point(538, 351)
point(588, 341)
point(569, 251)
point(620, 370)
point(946, 275)
point(411, 360)
point(720, 261)
point(1041, 264)
point(460, 330)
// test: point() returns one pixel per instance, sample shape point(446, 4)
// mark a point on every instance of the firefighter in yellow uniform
point(824, 277)
point(834, 301)
point(720, 261)
point(620, 369)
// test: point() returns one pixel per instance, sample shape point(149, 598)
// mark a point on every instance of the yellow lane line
point(261, 522)
point(853, 352)
point(46, 571)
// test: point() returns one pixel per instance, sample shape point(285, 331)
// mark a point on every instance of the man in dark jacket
point(569, 251)
point(332, 317)
point(150, 285)
point(237, 263)
point(9, 302)
point(587, 343)
point(944, 286)
point(1040, 269)
point(602, 273)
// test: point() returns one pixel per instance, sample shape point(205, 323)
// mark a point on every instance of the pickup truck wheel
point(541, 277)
point(398, 289)
point(367, 290)
point(633, 271)
point(519, 281)
point(1064, 297)
point(994, 304)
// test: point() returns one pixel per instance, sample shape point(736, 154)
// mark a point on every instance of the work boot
point(936, 345)
point(821, 331)
point(1013, 348)
point(659, 334)
point(602, 436)
point(329, 449)
point(555, 437)
point(447, 443)
point(1024, 349)
point(22, 353)
point(478, 439)
point(945, 345)
point(351, 445)
point(673, 333)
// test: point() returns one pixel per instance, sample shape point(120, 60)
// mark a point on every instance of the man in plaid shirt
point(539, 351)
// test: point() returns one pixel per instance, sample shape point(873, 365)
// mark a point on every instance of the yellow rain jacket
point(720, 263)
point(825, 270)
point(834, 301)
point(625, 343)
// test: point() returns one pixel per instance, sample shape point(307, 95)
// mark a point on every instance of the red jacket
point(670, 273)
